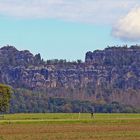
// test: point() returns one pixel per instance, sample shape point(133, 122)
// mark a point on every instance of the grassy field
point(70, 127)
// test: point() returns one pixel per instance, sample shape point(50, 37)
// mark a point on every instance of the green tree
point(5, 95)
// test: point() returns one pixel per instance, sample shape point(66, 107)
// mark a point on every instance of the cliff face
point(19, 68)
point(106, 75)
point(118, 66)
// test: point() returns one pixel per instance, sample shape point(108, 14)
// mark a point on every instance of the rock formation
point(112, 74)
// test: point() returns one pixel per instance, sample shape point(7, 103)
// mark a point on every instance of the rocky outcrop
point(106, 75)
point(118, 66)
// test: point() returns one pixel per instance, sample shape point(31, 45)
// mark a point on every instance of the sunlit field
point(75, 126)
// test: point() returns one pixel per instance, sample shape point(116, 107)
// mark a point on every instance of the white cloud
point(128, 27)
point(91, 11)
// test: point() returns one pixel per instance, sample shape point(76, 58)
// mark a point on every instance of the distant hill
point(107, 76)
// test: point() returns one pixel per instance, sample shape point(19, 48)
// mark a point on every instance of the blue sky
point(67, 30)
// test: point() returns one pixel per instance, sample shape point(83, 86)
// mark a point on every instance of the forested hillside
point(108, 81)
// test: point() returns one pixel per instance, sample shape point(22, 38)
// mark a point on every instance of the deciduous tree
point(5, 95)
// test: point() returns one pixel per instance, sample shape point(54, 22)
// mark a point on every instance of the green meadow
point(70, 126)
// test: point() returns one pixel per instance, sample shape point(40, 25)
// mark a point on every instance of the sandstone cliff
point(108, 75)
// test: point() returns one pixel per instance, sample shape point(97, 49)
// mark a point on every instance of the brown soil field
point(129, 131)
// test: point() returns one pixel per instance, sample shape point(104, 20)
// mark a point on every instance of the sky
point(67, 29)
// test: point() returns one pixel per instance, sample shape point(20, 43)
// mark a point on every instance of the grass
point(70, 126)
